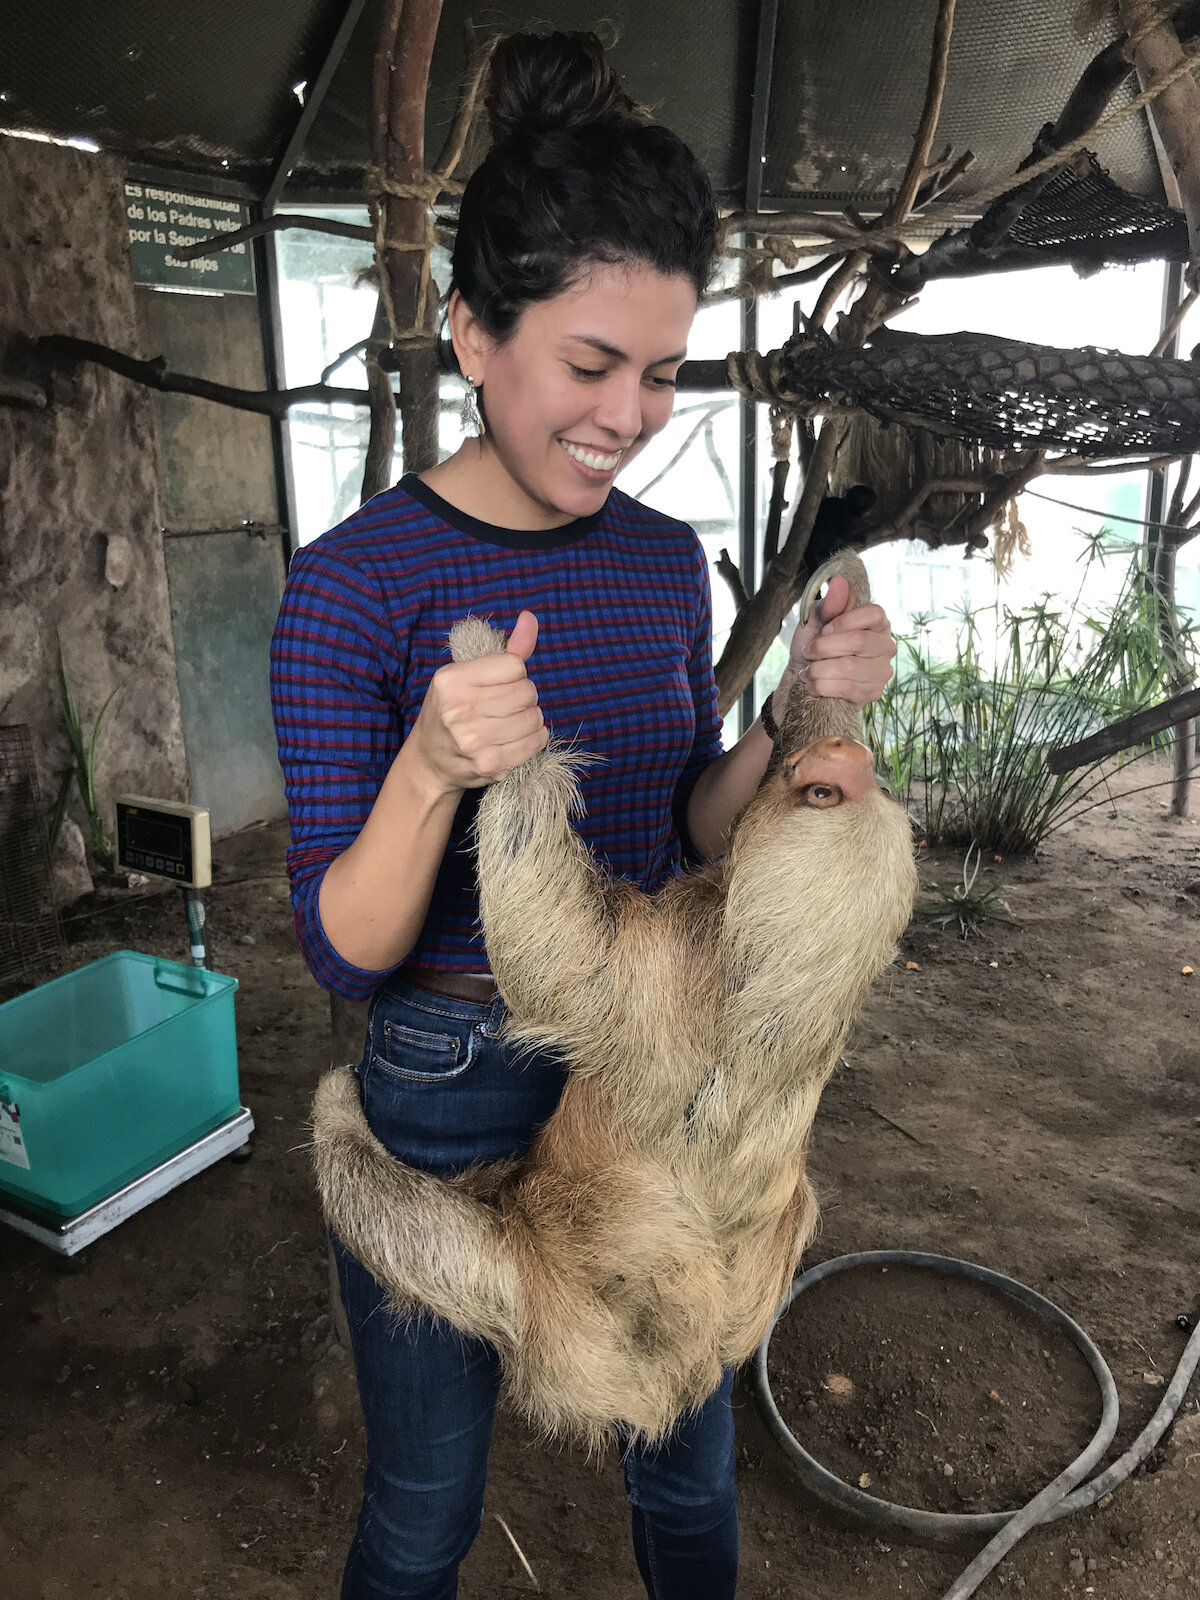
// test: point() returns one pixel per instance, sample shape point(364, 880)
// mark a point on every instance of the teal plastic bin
point(108, 1071)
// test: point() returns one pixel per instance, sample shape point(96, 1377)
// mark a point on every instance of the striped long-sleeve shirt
point(623, 670)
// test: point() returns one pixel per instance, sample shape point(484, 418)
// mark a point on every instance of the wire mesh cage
point(30, 934)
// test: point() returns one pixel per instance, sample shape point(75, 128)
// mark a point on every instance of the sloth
point(645, 1239)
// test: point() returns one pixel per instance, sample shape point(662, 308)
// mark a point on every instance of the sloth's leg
point(431, 1243)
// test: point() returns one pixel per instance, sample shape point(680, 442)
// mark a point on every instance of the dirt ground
point(178, 1419)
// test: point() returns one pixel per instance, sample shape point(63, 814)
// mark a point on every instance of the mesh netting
point(995, 392)
point(1082, 212)
point(29, 930)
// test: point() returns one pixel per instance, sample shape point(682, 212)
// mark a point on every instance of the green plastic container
point(108, 1071)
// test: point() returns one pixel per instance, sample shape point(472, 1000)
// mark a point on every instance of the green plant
point(963, 903)
point(963, 745)
point(83, 769)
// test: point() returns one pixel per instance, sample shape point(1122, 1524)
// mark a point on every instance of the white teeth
point(589, 458)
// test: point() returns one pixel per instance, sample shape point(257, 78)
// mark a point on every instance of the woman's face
point(578, 389)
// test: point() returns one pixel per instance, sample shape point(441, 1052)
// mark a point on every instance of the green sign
point(162, 221)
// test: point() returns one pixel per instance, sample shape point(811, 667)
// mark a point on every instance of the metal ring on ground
point(937, 1524)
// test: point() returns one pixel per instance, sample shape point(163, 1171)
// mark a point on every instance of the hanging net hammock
point(1077, 215)
point(991, 391)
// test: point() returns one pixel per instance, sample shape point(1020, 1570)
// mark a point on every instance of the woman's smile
point(594, 463)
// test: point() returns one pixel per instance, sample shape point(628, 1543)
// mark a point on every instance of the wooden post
point(407, 228)
point(381, 441)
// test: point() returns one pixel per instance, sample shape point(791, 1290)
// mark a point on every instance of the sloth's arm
point(549, 917)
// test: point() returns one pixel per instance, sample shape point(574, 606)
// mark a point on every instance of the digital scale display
point(165, 838)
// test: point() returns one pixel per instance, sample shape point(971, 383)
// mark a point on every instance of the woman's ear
point(472, 345)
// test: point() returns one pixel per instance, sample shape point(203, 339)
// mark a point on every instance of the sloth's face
point(834, 776)
point(831, 772)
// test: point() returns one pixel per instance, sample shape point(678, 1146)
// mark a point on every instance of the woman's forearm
point(375, 896)
point(729, 783)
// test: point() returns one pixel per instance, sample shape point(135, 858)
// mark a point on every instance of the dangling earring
point(471, 416)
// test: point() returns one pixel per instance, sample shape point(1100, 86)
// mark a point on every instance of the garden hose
point(1067, 1494)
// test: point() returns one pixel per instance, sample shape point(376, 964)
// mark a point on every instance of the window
point(327, 305)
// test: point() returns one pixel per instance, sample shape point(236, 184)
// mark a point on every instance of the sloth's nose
point(833, 770)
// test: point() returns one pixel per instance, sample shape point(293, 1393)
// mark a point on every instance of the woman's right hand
point(480, 718)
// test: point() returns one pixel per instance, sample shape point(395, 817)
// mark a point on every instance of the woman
point(585, 240)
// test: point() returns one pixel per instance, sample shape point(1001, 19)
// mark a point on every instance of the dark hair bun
point(577, 176)
point(542, 83)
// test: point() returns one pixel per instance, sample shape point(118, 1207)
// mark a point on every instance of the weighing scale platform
point(76, 1233)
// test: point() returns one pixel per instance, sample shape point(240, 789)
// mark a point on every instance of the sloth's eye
point(821, 796)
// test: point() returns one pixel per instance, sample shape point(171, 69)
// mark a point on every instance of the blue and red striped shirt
point(623, 670)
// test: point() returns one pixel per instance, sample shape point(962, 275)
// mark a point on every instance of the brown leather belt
point(477, 987)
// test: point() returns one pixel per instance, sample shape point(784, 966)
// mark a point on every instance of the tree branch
point(792, 224)
point(728, 570)
point(1172, 328)
point(1142, 725)
point(478, 58)
point(935, 88)
point(1085, 467)
point(1176, 109)
point(760, 619)
point(155, 374)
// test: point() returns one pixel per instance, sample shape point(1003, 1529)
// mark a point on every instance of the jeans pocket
point(416, 1056)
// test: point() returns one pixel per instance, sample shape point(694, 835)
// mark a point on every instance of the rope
point(426, 188)
point(756, 376)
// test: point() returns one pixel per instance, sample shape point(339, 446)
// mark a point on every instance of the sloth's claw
point(844, 564)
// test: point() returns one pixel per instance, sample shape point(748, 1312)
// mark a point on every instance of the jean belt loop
point(495, 1015)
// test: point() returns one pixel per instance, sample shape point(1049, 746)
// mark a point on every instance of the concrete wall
point(81, 553)
point(218, 477)
point(218, 464)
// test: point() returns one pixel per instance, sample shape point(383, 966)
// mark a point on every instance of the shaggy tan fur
point(647, 1237)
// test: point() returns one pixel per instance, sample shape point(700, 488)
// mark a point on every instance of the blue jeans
point(441, 1091)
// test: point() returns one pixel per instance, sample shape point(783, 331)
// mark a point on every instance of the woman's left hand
point(847, 654)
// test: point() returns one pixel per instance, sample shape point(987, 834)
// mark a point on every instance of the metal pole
point(748, 411)
point(768, 18)
point(194, 904)
point(271, 329)
point(313, 101)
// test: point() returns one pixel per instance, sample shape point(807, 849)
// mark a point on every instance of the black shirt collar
point(488, 533)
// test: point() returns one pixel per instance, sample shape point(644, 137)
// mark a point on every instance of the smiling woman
point(584, 242)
